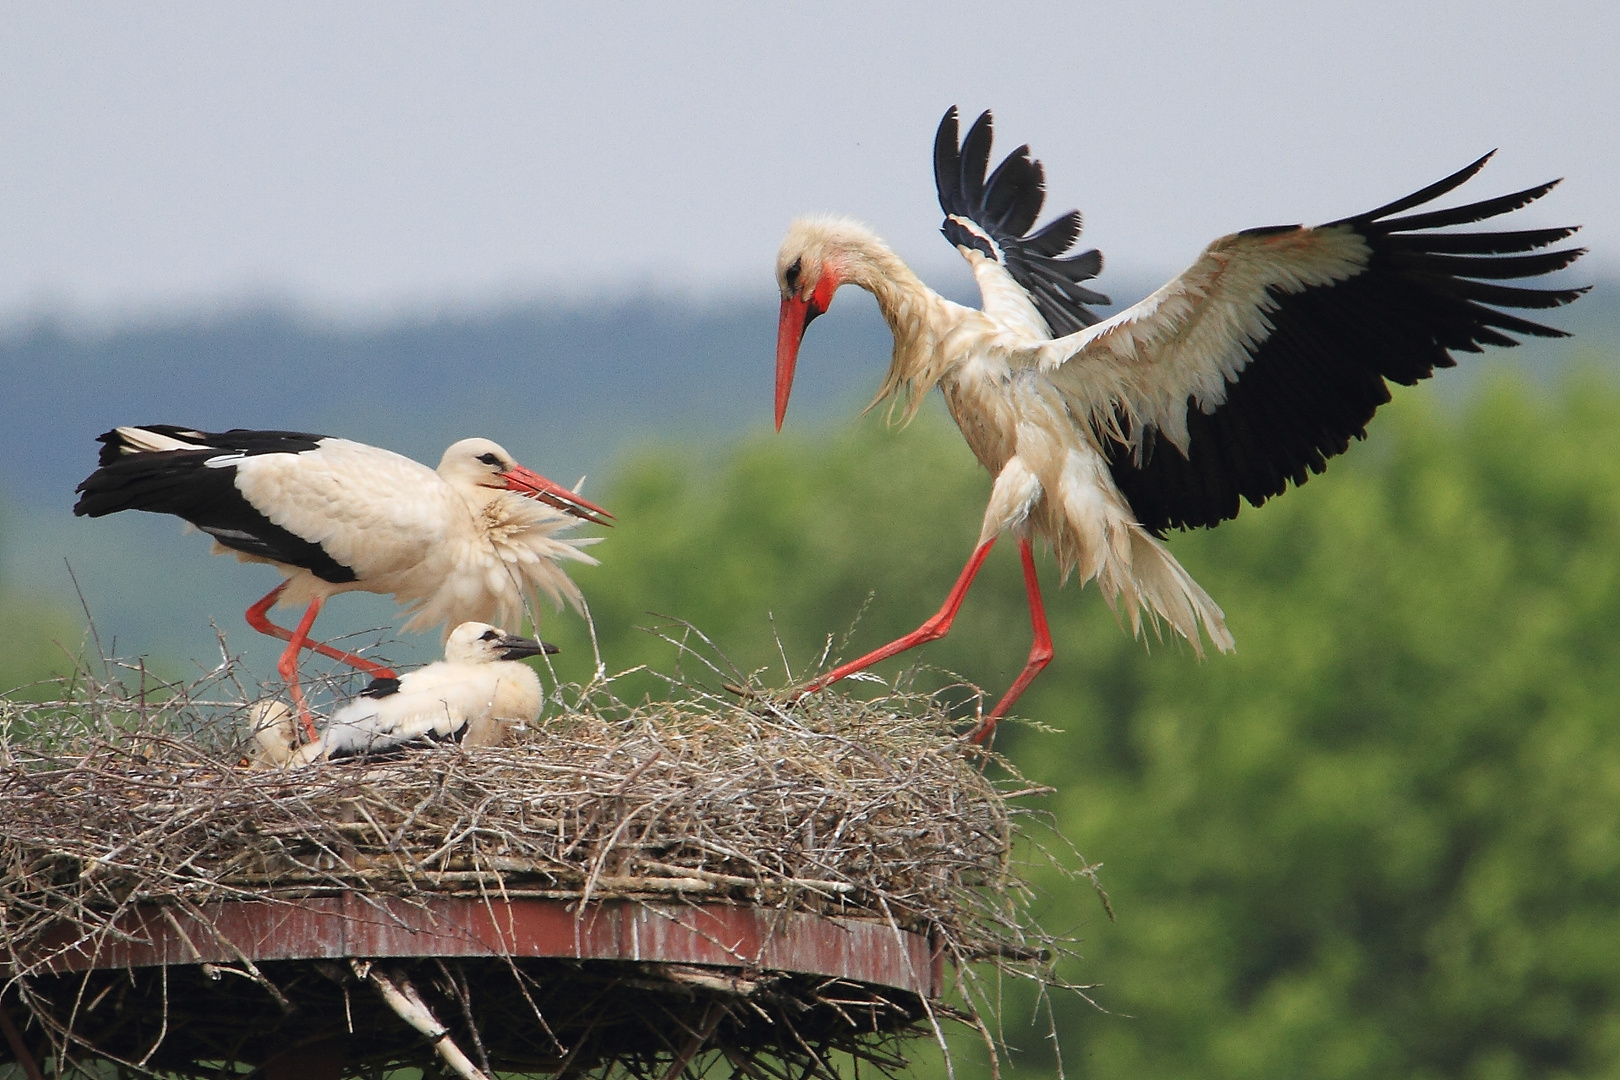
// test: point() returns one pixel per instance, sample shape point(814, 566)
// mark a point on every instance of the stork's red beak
point(554, 494)
point(789, 332)
point(797, 313)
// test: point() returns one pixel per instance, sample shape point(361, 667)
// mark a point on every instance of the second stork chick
point(474, 696)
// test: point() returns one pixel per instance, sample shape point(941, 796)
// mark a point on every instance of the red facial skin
point(532, 484)
point(797, 313)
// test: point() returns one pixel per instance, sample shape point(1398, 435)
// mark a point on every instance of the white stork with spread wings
point(1248, 370)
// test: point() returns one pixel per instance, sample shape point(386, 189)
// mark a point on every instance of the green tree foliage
point(34, 639)
point(1381, 839)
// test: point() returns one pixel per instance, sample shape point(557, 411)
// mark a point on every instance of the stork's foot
point(814, 686)
point(935, 628)
point(359, 663)
point(986, 727)
point(1039, 657)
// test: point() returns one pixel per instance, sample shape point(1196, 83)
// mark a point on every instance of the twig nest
point(864, 811)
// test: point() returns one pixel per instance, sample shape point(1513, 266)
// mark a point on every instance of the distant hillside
point(565, 389)
point(560, 387)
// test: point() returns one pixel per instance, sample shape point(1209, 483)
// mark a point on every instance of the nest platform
point(642, 890)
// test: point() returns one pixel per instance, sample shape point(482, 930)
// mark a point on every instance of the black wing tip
point(1565, 297)
point(1314, 382)
point(1005, 205)
point(381, 688)
point(1422, 195)
point(1381, 219)
point(946, 161)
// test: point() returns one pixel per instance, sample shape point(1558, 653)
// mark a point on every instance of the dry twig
point(871, 810)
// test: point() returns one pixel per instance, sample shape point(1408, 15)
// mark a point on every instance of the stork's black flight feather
point(1004, 208)
point(183, 483)
point(1316, 380)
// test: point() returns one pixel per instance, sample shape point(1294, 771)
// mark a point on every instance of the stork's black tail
point(164, 469)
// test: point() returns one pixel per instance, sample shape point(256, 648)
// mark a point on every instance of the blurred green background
point(1382, 839)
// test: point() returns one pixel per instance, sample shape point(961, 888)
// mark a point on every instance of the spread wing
point(1264, 358)
point(994, 216)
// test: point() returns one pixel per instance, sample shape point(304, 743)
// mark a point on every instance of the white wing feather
point(344, 494)
point(441, 700)
point(1194, 335)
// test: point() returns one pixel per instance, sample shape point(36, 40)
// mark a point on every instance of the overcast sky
point(363, 159)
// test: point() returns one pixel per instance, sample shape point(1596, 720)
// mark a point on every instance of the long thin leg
point(288, 666)
point(932, 630)
point(258, 618)
point(1040, 651)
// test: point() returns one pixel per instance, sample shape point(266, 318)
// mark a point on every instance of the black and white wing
point(165, 469)
point(994, 215)
point(1266, 356)
point(122, 443)
point(391, 714)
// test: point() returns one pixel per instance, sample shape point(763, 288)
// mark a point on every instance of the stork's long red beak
point(554, 494)
point(789, 333)
point(797, 313)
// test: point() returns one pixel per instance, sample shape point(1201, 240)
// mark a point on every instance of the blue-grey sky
point(364, 158)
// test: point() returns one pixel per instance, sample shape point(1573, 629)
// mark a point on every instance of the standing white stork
point(473, 697)
point(472, 540)
point(1250, 369)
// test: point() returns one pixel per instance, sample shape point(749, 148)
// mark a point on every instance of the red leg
point(258, 618)
point(1040, 651)
point(935, 628)
point(288, 666)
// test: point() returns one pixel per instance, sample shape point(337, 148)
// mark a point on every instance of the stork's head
point(481, 463)
point(481, 643)
point(817, 255)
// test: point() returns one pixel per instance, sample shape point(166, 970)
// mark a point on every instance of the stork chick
point(474, 696)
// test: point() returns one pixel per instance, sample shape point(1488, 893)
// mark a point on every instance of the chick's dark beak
point(514, 647)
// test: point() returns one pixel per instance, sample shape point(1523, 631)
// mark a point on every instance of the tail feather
point(1160, 587)
point(149, 440)
point(1138, 577)
point(153, 468)
point(167, 483)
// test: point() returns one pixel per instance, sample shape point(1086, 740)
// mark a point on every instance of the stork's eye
point(792, 275)
point(489, 459)
point(488, 635)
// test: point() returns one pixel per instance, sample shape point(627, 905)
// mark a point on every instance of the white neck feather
point(918, 317)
